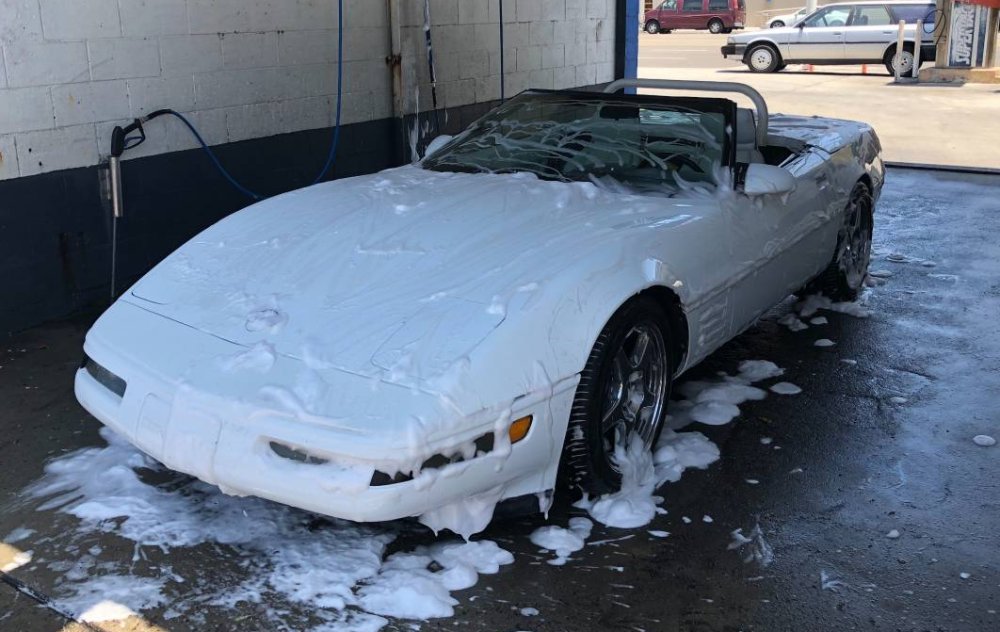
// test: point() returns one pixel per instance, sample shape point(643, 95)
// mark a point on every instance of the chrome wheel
point(855, 241)
point(636, 390)
point(715, 26)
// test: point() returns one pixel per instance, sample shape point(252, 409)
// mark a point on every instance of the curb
point(917, 166)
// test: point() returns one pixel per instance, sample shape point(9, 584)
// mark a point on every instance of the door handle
point(837, 33)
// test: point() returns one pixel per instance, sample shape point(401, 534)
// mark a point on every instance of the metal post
point(897, 58)
point(918, 41)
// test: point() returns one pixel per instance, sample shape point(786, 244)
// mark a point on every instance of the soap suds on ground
point(338, 570)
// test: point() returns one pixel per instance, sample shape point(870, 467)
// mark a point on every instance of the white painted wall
point(70, 70)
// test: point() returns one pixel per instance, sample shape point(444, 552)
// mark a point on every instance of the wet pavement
point(867, 448)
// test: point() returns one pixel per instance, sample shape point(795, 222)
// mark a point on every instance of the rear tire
point(763, 58)
point(777, 24)
point(624, 389)
point(715, 26)
point(907, 60)
point(652, 27)
point(844, 278)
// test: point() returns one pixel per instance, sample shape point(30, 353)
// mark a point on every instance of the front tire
point(652, 27)
point(624, 389)
point(763, 58)
point(844, 278)
point(715, 26)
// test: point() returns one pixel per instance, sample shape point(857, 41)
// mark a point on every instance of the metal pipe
point(918, 42)
point(898, 57)
point(115, 171)
point(117, 211)
point(703, 86)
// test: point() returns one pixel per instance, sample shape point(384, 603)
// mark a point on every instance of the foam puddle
point(337, 570)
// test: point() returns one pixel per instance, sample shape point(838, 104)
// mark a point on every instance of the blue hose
point(331, 156)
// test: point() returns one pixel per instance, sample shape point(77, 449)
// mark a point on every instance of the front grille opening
point(290, 453)
point(484, 445)
point(104, 377)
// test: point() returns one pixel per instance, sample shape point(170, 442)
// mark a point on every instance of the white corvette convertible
point(432, 339)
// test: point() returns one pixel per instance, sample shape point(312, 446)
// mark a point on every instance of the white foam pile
point(563, 541)
point(716, 402)
point(753, 547)
point(337, 571)
point(808, 306)
point(815, 302)
point(712, 402)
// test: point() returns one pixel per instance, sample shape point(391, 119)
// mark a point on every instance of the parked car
point(437, 337)
point(841, 33)
point(718, 16)
point(787, 19)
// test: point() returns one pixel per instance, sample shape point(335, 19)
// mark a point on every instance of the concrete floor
point(852, 465)
point(917, 123)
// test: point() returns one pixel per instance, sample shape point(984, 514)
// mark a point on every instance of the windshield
point(646, 143)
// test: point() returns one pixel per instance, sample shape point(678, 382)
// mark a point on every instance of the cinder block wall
point(70, 70)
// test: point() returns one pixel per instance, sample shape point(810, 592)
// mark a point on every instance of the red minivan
point(718, 16)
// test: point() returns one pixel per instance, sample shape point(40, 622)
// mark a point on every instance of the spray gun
point(121, 141)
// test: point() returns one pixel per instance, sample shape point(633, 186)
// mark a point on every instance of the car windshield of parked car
point(646, 144)
point(829, 16)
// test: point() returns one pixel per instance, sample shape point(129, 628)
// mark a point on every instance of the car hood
point(365, 274)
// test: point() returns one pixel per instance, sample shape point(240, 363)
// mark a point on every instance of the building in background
point(966, 34)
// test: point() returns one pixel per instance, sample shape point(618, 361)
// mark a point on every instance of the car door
point(692, 15)
point(820, 36)
point(668, 15)
point(868, 33)
point(780, 242)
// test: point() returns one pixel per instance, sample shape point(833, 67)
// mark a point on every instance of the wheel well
point(671, 303)
point(891, 50)
point(866, 179)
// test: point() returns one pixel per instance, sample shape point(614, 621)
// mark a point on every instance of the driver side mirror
point(764, 179)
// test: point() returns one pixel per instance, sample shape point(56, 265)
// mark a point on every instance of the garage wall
point(70, 70)
point(258, 78)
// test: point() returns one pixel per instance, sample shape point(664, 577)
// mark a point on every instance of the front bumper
point(734, 51)
point(221, 426)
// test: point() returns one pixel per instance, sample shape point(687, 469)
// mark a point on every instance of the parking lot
point(863, 501)
point(910, 119)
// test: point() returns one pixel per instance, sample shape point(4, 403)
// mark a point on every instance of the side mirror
point(436, 144)
point(764, 179)
point(801, 25)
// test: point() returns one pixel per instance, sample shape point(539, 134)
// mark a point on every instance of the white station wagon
point(841, 33)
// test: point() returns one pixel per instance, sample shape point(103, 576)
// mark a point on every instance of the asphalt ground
point(884, 444)
point(923, 123)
